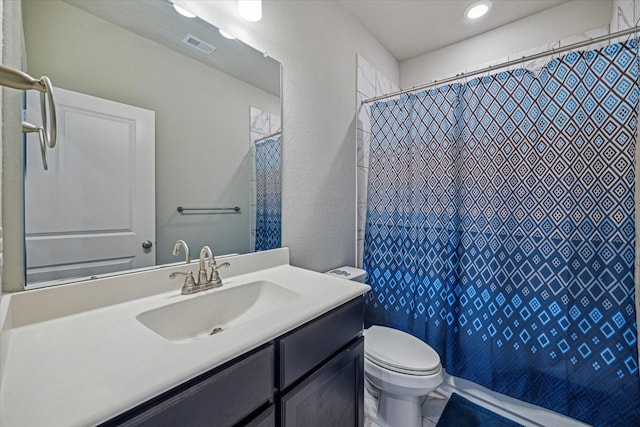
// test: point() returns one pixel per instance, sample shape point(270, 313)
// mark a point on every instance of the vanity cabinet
point(311, 376)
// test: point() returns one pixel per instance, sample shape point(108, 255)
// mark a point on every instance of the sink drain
point(215, 331)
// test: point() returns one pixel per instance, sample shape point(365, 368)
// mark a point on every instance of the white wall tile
point(370, 83)
point(254, 114)
point(364, 114)
point(383, 84)
point(257, 135)
point(275, 124)
point(362, 175)
point(364, 144)
point(362, 219)
point(360, 252)
point(541, 62)
point(624, 14)
point(366, 80)
point(259, 121)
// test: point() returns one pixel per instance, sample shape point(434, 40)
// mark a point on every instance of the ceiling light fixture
point(478, 9)
point(251, 10)
point(226, 35)
point(182, 11)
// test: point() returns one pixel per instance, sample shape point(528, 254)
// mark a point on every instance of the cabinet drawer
point(308, 346)
point(222, 399)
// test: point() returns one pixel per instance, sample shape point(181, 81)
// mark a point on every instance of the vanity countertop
point(85, 367)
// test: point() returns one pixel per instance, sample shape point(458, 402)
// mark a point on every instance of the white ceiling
point(410, 28)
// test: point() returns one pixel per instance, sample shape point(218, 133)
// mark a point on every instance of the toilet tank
point(349, 273)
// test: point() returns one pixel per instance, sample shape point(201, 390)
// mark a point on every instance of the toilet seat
point(400, 352)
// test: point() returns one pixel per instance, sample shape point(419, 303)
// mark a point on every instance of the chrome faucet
point(176, 250)
point(202, 270)
point(205, 281)
point(189, 286)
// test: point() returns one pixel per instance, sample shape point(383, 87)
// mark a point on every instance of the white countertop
point(89, 366)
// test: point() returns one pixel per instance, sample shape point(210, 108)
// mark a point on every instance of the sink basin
point(197, 317)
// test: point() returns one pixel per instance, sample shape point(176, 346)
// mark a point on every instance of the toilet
point(404, 370)
point(400, 368)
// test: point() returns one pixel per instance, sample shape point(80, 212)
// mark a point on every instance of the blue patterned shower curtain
point(500, 230)
point(268, 194)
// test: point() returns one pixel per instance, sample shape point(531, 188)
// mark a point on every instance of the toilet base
point(394, 410)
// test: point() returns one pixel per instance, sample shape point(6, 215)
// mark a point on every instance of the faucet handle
point(189, 286)
point(214, 278)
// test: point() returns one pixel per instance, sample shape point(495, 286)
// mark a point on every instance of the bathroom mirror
point(208, 98)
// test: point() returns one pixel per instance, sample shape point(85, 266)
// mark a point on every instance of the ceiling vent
point(198, 44)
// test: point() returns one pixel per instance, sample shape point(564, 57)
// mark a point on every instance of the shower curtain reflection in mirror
point(268, 194)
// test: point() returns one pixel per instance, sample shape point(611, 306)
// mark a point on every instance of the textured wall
point(317, 43)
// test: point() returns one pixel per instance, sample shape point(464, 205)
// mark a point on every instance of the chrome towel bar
point(215, 210)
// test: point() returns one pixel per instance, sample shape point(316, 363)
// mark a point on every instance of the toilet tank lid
point(399, 350)
point(349, 273)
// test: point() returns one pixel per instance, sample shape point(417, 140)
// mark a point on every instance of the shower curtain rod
point(572, 46)
point(259, 140)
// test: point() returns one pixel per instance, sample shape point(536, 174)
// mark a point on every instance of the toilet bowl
point(403, 370)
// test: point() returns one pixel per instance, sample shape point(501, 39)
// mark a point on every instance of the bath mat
point(459, 412)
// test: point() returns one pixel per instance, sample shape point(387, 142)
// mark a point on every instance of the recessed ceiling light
point(478, 9)
point(184, 12)
point(251, 10)
point(226, 35)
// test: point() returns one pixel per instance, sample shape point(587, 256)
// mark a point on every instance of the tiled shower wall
point(626, 14)
point(369, 84)
point(263, 124)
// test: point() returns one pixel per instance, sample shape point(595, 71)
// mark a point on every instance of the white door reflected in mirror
point(89, 213)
